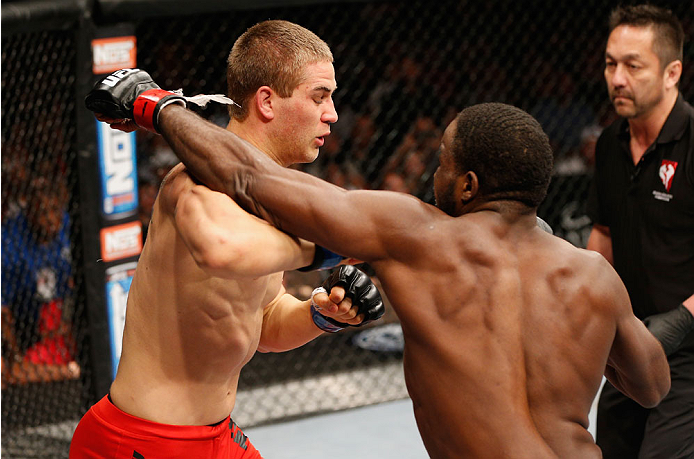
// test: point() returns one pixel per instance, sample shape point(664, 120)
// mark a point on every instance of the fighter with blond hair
point(207, 292)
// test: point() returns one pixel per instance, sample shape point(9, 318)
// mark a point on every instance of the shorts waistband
point(111, 414)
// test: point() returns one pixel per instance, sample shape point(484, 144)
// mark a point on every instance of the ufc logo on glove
point(116, 76)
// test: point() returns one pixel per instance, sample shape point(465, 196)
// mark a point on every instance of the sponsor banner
point(118, 171)
point(118, 280)
point(111, 54)
point(121, 241)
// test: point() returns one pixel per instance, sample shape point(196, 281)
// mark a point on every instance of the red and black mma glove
point(360, 289)
point(671, 328)
point(131, 94)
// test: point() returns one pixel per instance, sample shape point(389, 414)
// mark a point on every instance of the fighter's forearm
point(637, 390)
point(348, 223)
point(286, 325)
point(199, 145)
point(218, 158)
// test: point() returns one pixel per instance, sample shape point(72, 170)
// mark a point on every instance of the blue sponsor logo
point(118, 280)
point(118, 171)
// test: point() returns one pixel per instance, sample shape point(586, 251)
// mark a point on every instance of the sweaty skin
point(205, 296)
point(508, 330)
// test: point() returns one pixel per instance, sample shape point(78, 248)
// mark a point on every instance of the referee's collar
point(674, 127)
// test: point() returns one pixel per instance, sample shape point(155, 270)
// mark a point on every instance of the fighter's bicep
point(626, 350)
point(615, 299)
point(635, 355)
point(377, 225)
point(226, 240)
point(362, 224)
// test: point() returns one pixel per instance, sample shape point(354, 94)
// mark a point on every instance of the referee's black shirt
point(649, 210)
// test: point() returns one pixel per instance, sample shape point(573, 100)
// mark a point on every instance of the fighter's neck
point(255, 136)
point(506, 207)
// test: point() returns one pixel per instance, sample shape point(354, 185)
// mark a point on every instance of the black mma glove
point(671, 327)
point(131, 94)
point(360, 289)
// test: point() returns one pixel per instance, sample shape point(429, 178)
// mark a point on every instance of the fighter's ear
point(467, 186)
point(264, 98)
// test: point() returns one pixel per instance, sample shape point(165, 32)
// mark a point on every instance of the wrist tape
point(323, 259)
point(324, 323)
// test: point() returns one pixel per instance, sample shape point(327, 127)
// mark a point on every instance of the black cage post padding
point(94, 270)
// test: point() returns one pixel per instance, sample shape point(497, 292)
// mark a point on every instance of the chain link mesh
point(404, 69)
point(42, 310)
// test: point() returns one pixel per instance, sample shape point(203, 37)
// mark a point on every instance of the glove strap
point(325, 323)
point(147, 106)
point(323, 259)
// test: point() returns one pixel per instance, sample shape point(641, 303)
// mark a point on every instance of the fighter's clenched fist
point(130, 94)
point(360, 304)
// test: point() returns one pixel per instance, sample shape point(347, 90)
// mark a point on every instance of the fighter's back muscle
point(502, 316)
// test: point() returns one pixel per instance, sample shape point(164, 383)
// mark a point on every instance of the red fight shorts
point(106, 432)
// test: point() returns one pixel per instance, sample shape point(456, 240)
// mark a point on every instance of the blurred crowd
point(37, 270)
point(369, 148)
point(396, 92)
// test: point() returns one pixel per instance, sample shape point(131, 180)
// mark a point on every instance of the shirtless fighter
point(207, 292)
point(508, 330)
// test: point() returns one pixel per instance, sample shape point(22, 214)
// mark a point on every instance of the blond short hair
point(272, 53)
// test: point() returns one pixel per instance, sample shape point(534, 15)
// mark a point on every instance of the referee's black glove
point(671, 327)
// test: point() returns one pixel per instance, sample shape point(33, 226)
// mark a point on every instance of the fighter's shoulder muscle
point(601, 283)
point(180, 186)
point(403, 225)
point(174, 185)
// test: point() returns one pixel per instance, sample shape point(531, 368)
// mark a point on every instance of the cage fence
point(404, 69)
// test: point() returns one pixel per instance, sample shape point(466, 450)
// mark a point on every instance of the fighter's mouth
point(321, 139)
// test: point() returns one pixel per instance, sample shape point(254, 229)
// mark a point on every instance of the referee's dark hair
point(668, 35)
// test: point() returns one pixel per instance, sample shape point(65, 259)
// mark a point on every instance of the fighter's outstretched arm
point(367, 225)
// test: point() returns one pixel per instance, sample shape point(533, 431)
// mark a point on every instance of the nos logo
point(113, 53)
